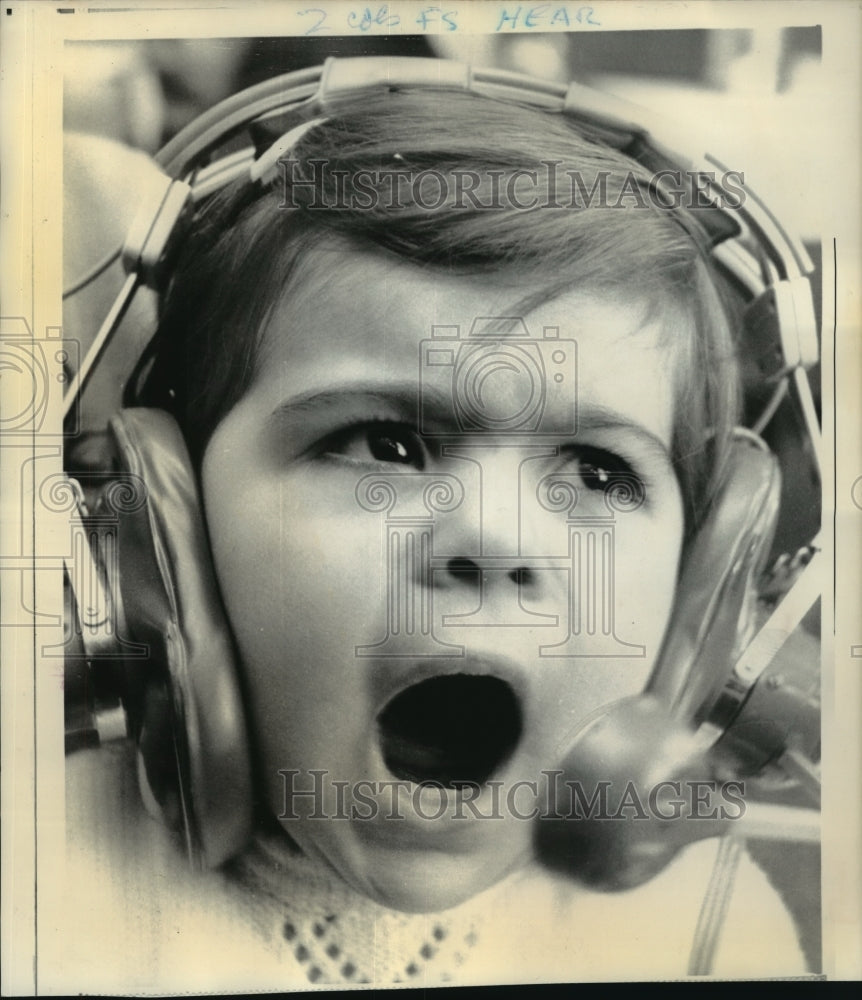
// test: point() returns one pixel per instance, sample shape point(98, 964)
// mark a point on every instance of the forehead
point(354, 317)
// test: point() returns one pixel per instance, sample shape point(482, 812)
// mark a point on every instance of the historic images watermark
point(315, 795)
point(318, 184)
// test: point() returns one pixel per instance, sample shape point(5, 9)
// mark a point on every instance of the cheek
point(646, 565)
point(304, 574)
point(633, 601)
point(289, 558)
point(299, 598)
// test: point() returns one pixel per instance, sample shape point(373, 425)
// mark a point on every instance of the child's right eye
point(378, 442)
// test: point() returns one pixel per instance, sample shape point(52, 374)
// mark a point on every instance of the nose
point(491, 554)
point(494, 592)
point(453, 556)
point(467, 571)
point(492, 524)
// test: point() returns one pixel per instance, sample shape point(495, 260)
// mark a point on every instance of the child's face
point(314, 564)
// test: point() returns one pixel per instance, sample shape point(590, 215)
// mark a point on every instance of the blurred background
point(756, 94)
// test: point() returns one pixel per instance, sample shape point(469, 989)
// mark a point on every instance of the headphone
point(151, 655)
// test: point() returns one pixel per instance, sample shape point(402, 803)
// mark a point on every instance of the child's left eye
point(378, 442)
point(602, 470)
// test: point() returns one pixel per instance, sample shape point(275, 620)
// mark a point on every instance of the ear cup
point(716, 600)
point(185, 703)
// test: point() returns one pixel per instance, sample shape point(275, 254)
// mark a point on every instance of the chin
point(428, 883)
point(428, 891)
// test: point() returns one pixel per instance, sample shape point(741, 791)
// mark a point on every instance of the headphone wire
point(95, 271)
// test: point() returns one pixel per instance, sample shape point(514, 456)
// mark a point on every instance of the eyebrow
point(405, 396)
point(597, 417)
point(408, 396)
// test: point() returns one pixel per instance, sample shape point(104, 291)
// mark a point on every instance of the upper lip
point(391, 676)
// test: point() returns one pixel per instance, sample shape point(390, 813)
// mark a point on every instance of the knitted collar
point(335, 934)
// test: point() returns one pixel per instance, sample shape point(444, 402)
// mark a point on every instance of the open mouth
point(450, 730)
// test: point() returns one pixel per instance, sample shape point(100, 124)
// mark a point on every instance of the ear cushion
point(189, 718)
point(716, 603)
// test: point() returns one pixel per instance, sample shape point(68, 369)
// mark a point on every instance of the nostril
point(467, 570)
point(462, 566)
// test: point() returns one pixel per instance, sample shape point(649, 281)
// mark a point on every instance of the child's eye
point(378, 441)
point(601, 471)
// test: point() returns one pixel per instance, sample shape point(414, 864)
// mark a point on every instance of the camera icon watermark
point(33, 370)
point(498, 379)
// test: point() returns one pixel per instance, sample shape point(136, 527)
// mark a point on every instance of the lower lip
point(440, 824)
point(409, 813)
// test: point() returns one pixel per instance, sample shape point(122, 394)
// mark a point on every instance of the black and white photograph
point(432, 493)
